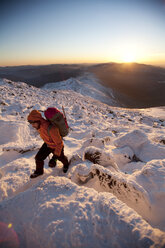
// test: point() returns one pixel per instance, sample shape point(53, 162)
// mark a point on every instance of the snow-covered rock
point(97, 156)
point(59, 213)
point(151, 177)
point(134, 139)
point(122, 155)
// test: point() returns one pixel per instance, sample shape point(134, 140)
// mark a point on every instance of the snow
point(86, 85)
point(113, 194)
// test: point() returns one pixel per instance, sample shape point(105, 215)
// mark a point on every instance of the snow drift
point(59, 213)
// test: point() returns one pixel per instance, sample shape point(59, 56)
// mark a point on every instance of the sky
point(82, 31)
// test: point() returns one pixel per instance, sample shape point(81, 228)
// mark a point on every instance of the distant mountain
point(42, 74)
point(133, 85)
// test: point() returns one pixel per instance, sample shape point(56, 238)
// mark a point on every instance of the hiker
point(53, 143)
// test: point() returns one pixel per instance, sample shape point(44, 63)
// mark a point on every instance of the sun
point(128, 58)
point(127, 52)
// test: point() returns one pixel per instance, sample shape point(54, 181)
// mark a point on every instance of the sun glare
point(128, 58)
point(128, 53)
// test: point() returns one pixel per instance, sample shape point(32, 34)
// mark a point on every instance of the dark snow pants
point(43, 153)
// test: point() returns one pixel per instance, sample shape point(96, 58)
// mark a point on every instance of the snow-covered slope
point(86, 85)
point(113, 194)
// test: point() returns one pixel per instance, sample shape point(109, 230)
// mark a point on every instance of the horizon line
point(84, 63)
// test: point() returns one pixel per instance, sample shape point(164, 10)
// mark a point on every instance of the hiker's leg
point(52, 162)
point(62, 158)
point(42, 154)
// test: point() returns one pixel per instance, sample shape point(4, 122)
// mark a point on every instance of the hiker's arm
point(57, 140)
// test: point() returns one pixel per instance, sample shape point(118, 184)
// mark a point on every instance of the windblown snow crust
point(67, 215)
point(113, 194)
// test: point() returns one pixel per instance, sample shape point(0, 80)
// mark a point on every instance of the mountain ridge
point(134, 85)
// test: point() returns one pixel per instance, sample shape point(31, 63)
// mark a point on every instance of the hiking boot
point(66, 166)
point(36, 174)
point(52, 163)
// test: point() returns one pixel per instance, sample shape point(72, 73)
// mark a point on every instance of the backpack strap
point(49, 127)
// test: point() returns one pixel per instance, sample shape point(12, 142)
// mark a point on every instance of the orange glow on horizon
point(127, 57)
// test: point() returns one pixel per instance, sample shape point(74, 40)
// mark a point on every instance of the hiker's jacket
point(52, 137)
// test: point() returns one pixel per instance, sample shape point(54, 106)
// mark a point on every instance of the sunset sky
point(82, 31)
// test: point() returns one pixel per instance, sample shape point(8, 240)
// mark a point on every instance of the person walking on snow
point(53, 143)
